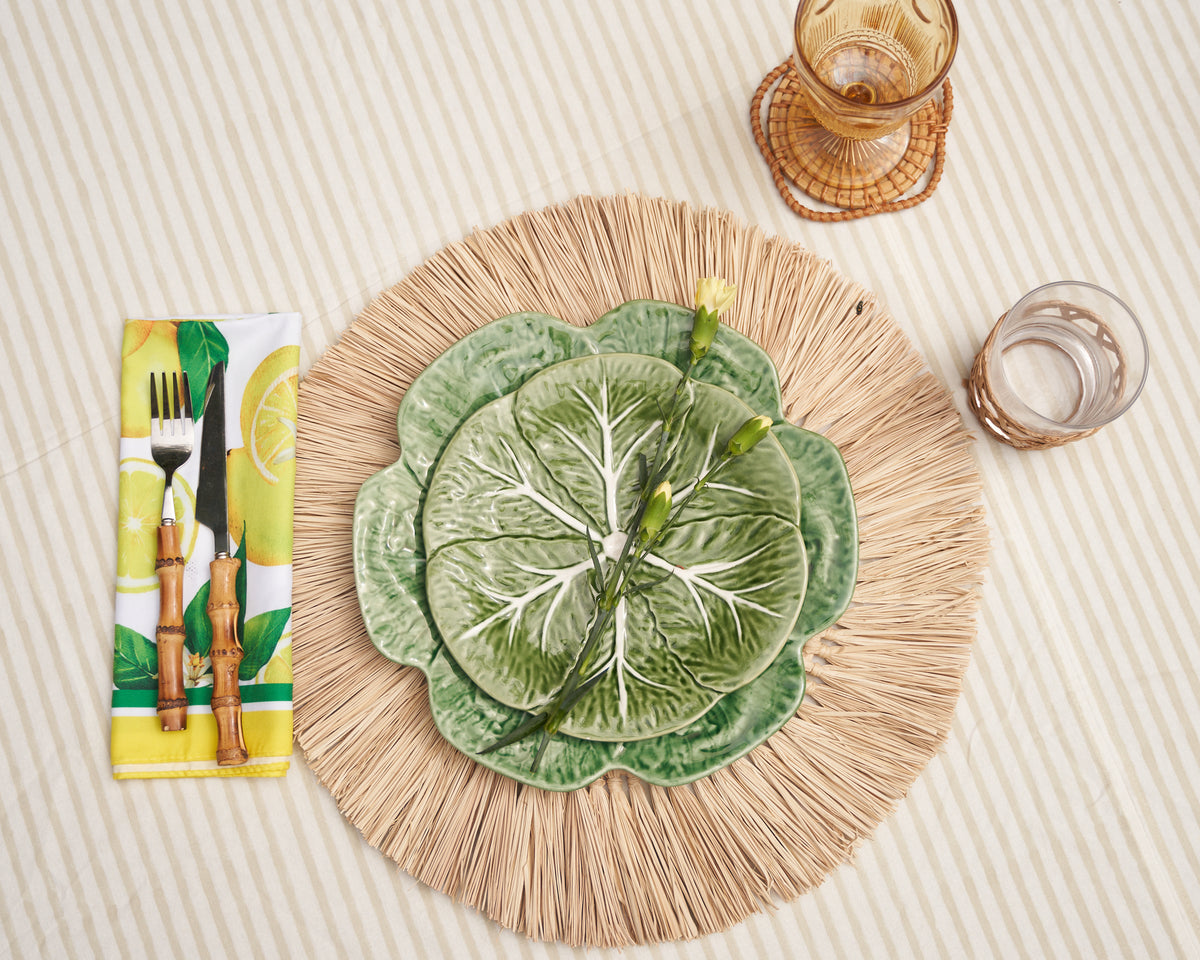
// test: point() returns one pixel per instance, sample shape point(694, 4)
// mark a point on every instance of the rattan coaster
point(832, 176)
point(621, 861)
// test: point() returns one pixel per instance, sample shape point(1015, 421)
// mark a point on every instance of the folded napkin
point(262, 354)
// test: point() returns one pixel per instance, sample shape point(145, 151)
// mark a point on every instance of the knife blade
point(212, 510)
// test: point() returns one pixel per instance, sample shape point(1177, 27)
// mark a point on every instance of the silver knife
point(212, 511)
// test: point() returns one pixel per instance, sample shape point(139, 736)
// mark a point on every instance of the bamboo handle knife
point(226, 656)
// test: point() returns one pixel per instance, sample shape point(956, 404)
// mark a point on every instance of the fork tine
point(153, 399)
point(166, 400)
point(175, 397)
point(187, 397)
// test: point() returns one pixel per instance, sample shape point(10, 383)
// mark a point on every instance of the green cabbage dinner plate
point(518, 444)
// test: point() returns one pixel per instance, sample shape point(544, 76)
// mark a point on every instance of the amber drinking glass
point(865, 68)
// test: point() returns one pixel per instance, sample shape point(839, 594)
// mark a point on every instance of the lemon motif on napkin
point(139, 509)
point(148, 347)
point(263, 471)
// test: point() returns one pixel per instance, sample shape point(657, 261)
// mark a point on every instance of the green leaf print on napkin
point(239, 586)
point(197, 629)
point(260, 634)
point(135, 661)
point(201, 347)
point(197, 626)
point(260, 639)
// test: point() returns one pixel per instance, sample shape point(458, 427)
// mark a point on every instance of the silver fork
point(171, 439)
point(171, 434)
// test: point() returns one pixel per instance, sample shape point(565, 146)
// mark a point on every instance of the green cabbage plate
point(710, 707)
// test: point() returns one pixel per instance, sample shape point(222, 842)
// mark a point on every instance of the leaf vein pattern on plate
point(618, 660)
point(521, 487)
point(692, 578)
point(514, 606)
point(603, 465)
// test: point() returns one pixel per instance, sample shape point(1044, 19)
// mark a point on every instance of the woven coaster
point(791, 126)
point(623, 862)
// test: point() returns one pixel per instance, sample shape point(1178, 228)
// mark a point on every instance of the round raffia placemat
point(621, 861)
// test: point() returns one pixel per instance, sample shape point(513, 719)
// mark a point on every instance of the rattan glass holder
point(983, 402)
point(621, 861)
point(790, 124)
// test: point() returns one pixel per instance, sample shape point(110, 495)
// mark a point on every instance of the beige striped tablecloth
point(167, 158)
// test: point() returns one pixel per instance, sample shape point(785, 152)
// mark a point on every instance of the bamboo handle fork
point(171, 439)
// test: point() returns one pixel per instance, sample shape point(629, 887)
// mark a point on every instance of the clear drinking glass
point(865, 69)
point(1068, 358)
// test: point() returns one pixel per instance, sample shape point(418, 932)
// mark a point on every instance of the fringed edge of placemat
point(623, 862)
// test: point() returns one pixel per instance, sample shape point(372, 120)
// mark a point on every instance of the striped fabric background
point(227, 157)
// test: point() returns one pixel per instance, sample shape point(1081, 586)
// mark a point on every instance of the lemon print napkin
point(261, 354)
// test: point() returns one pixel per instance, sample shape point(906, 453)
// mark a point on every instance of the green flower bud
point(713, 297)
point(658, 508)
point(704, 329)
point(748, 434)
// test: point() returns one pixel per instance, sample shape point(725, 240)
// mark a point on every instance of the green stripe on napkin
point(202, 696)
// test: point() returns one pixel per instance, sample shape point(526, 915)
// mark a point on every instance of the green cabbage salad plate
point(476, 553)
